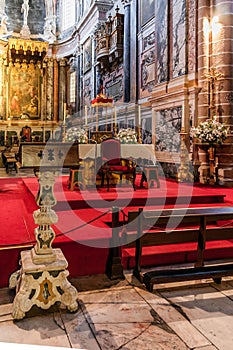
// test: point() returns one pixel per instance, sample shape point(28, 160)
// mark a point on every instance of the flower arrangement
point(127, 136)
point(75, 134)
point(211, 131)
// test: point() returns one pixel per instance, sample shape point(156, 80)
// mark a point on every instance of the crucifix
point(212, 76)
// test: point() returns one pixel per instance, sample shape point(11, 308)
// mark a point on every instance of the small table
point(149, 175)
point(76, 178)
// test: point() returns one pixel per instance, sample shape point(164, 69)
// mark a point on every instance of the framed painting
point(87, 55)
point(148, 11)
point(24, 92)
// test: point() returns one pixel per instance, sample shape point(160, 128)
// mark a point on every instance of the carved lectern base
point(43, 285)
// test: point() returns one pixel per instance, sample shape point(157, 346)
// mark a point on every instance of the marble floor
point(124, 315)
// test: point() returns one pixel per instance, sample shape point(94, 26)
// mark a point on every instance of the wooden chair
point(112, 163)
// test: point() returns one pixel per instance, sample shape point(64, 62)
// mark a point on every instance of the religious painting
point(148, 11)
point(26, 134)
point(87, 55)
point(24, 92)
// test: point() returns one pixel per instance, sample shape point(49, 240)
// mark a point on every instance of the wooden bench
point(171, 226)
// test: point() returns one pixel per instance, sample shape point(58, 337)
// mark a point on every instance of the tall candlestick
point(85, 115)
point(115, 115)
point(64, 113)
point(183, 115)
point(139, 115)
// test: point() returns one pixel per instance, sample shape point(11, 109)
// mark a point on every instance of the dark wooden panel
point(50, 154)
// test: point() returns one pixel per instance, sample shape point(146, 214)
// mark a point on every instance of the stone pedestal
point(204, 169)
point(43, 276)
point(43, 285)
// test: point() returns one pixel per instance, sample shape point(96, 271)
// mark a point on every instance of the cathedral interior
point(166, 68)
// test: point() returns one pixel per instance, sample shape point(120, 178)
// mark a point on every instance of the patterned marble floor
point(123, 315)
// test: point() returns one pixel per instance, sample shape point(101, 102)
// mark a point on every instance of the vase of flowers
point(210, 133)
point(127, 136)
point(76, 134)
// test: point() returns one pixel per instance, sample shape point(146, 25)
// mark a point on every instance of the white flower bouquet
point(75, 134)
point(210, 131)
point(127, 136)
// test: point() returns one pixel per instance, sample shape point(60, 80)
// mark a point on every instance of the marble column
point(127, 8)
point(78, 77)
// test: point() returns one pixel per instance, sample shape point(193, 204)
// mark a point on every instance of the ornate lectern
point(42, 279)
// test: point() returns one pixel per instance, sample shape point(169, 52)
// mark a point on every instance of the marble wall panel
point(179, 38)
point(167, 129)
point(162, 40)
point(192, 36)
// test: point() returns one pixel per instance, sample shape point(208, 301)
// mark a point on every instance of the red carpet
point(84, 222)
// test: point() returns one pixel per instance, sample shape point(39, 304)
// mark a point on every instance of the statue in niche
point(3, 26)
point(24, 10)
point(49, 32)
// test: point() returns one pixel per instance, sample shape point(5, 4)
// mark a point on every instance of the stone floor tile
point(210, 312)
point(136, 337)
point(189, 334)
point(208, 347)
point(180, 325)
point(38, 330)
point(79, 331)
point(226, 288)
point(114, 313)
point(112, 336)
point(120, 295)
point(6, 312)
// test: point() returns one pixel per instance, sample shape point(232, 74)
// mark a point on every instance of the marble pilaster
point(127, 9)
point(49, 95)
point(62, 85)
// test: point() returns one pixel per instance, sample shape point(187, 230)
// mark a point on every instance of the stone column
point(204, 13)
point(215, 50)
point(222, 53)
point(62, 87)
point(126, 57)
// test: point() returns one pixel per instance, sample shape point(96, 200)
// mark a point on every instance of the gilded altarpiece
point(24, 91)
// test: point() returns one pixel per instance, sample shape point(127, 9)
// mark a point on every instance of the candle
point(64, 113)
point(115, 115)
point(139, 115)
point(85, 115)
point(183, 115)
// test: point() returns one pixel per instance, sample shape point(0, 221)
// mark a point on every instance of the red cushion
point(119, 168)
point(115, 161)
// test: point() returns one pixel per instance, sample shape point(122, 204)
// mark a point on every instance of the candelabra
point(184, 173)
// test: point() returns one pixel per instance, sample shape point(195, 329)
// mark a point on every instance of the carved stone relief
point(167, 131)
point(179, 38)
point(114, 85)
point(148, 70)
point(162, 41)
